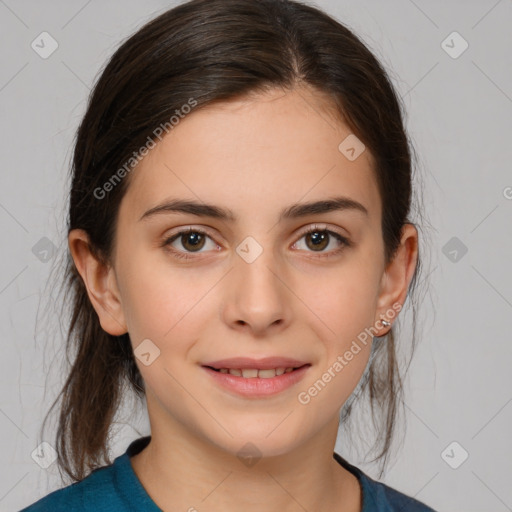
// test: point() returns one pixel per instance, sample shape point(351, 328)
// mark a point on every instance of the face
point(269, 282)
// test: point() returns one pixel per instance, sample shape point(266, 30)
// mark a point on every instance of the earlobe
point(397, 276)
point(100, 282)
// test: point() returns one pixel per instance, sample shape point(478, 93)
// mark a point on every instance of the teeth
point(251, 373)
point(266, 374)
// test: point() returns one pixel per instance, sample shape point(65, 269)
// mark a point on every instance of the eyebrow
point(294, 211)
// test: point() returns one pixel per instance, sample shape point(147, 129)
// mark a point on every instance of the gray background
point(459, 116)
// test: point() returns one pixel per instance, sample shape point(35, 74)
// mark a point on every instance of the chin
point(255, 441)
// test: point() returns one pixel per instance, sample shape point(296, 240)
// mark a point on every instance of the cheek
point(344, 309)
point(345, 302)
point(161, 302)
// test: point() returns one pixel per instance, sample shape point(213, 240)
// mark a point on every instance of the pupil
point(318, 238)
point(193, 239)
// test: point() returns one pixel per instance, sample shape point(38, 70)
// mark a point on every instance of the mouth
point(256, 379)
point(260, 373)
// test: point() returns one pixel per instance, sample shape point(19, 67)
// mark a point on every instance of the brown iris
point(195, 239)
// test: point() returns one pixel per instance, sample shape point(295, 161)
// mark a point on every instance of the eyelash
point(314, 229)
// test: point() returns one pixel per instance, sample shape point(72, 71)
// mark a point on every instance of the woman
point(239, 250)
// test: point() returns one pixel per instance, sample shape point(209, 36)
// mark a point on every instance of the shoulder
point(379, 497)
point(386, 499)
point(95, 492)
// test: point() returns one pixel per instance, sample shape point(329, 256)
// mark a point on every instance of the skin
point(254, 156)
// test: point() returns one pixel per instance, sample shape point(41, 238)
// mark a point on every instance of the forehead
point(261, 152)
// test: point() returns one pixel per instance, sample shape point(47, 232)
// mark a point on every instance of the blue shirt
point(116, 488)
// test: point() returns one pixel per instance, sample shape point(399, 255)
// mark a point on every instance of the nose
point(257, 299)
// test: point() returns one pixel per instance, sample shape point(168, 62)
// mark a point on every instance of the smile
point(252, 373)
point(254, 382)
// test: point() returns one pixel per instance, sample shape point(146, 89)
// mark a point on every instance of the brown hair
point(211, 51)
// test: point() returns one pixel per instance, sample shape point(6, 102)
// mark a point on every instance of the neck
point(193, 474)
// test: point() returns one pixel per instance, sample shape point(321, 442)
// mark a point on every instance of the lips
point(256, 383)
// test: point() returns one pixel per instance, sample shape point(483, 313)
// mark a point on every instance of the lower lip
point(257, 387)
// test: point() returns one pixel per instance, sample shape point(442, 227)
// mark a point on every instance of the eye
point(191, 239)
point(318, 238)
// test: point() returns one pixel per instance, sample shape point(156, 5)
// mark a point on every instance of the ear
point(397, 277)
point(100, 282)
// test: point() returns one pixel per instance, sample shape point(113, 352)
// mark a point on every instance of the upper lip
point(261, 364)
